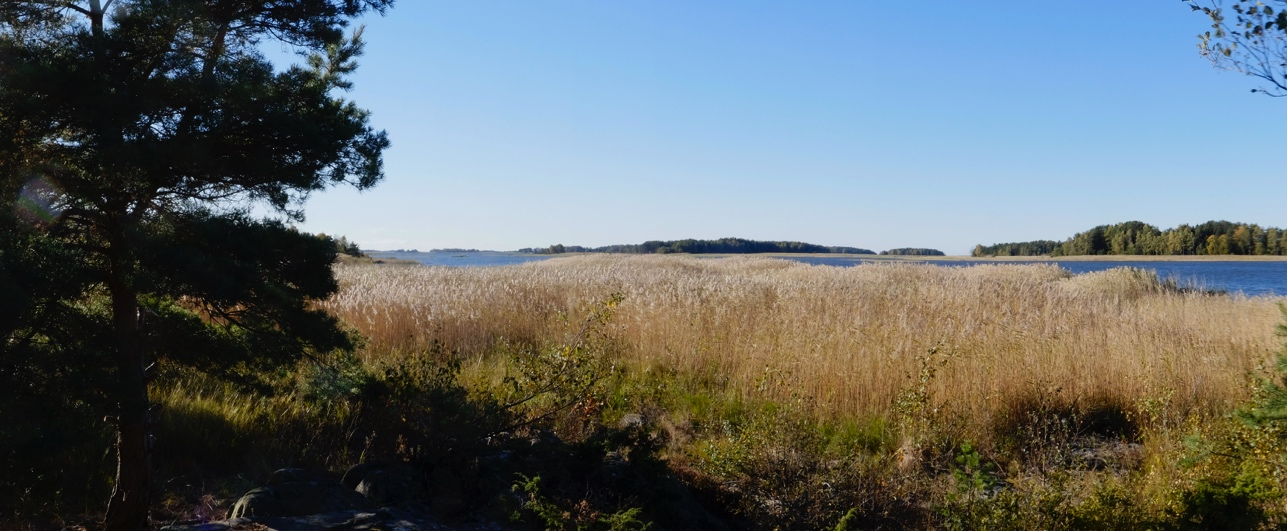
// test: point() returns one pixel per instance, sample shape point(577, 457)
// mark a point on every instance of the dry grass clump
point(848, 339)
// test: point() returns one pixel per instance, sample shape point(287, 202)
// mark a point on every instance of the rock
point(317, 522)
point(1100, 454)
point(448, 492)
point(543, 437)
point(387, 519)
point(391, 484)
point(354, 475)
point(631, 421)
point(294, 492)
point(264, 501)
point(292, 475)
point(198, 526)
point(342, 520)
point(300, 500)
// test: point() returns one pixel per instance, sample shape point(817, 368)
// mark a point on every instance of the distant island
point(912, 251)
point(1139, 238)
point(720, 246)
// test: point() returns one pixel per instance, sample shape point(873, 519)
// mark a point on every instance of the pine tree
point(137, 134)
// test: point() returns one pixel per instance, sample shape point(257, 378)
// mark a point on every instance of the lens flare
point(39, 202)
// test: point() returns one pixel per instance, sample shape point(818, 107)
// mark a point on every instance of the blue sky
point(869, 124)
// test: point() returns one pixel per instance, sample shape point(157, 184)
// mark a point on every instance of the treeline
point(1138, 238)
point(1032, 248)
point(720, 246)
point(912, 251)
point(344, 246)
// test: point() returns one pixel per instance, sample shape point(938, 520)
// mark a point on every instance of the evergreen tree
point(1272, 404)
point(136, 135)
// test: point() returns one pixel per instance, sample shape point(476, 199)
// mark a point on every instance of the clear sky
point(887, 124)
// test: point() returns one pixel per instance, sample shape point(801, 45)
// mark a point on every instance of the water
point(1250, 278)
point(461, 259)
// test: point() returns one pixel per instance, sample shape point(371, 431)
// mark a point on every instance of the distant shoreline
point(1122, 258)
point(909, 258)
point(997, 259)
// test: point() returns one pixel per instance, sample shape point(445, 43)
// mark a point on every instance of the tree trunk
point(128, 508)
point(96, 12)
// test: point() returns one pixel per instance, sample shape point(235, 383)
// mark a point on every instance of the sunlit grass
point(764, 379)
point(847, 338)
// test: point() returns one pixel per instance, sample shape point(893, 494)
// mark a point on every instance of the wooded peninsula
point(1139, 238)
point(691, 246)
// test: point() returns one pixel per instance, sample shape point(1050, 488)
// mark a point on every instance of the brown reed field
point(849, 340)
point(751, 393)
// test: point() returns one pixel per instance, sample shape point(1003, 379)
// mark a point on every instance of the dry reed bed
point(847, 337)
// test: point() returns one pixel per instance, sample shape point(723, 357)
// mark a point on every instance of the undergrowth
point(564, 423)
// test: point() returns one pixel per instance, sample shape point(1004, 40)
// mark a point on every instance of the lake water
point(1250, 278)
point(459, 259)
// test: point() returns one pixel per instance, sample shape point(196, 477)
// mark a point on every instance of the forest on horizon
point(691, 246)
point(1139, 238)
point(726, 246)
